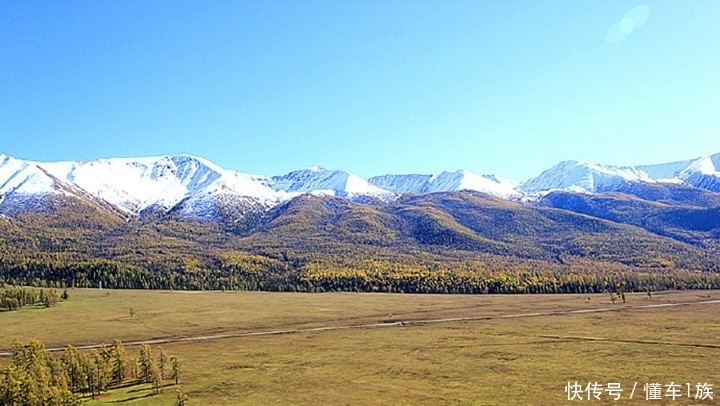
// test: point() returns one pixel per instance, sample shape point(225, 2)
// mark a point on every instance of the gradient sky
point(368, 86)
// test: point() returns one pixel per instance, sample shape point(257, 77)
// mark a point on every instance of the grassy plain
point(491, 360)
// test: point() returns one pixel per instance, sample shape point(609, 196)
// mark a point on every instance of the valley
point(481, 361)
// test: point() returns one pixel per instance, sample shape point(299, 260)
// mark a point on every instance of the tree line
point(15, 298)
point(36, 378)
point(252, 272)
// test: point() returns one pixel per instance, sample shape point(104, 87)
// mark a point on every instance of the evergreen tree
point(29, 380)
point(162, 363)
point(119, 362)
point(71, 363)
point(181, 398)
point(175, 365)
point(147, 364)
point(101, 367)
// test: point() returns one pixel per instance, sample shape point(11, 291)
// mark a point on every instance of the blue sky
point(372, 87)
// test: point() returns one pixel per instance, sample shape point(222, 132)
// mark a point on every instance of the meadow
point(381, 349)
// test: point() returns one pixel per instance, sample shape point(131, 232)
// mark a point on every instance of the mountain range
point(182, 221)
point(196, 188)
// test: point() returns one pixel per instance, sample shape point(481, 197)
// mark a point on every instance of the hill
point(437, 242)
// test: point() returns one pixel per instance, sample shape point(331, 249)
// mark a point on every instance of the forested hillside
point(464, 242)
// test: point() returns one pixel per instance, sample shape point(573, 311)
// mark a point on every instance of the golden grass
point(503, 361)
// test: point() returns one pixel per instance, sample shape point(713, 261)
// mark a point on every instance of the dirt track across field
point(400, 323)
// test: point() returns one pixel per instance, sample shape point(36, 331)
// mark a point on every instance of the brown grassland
point(490, 360)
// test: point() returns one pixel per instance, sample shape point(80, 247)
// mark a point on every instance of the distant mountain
point(183, 222)
point(323, 181)
point(190, 187)
point(447, 182)
point(587, 177)
point(137, 185)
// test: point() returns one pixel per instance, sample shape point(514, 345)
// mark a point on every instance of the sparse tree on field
point(181, 398)
point(134, 372)
point(175, 364)
point(147, 364)
point(156, 381)
point(103, 368)
point(162, 363)
point(119, 362)
point(96, 369)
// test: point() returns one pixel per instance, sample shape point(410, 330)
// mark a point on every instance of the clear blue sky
point(368, 86)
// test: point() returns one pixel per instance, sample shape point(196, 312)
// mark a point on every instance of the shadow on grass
point(136, 393)
point(140, 388)
point(133, 398)
point(126, 385)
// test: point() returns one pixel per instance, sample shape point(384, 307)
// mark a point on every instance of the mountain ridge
point(194, 187)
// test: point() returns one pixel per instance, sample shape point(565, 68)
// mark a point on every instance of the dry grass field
point(494, 358)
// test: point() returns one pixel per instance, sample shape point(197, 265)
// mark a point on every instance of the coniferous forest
point(458, 242)
point(35, 377)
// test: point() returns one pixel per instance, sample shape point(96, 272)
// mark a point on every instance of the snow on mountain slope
point(319, 180)
point(446, 182)
point(705, 165)
point(24, 178)
point(703, 173)
point(666, 171)
point(136, 185)
point(465, 180)
point(197, 188)
point(589, 177)
point(235, 192)
point(412, 183)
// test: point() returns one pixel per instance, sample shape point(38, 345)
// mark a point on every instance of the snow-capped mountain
point(25, 178)
point(318, 180)
point(136, 185)
point(196, 188)
point(587, 177)
point(446, 182)
point(578, 176)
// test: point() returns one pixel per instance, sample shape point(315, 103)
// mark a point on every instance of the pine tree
point(156, 381)
point(101, 367)
point(30, 378)
point(162, 363)
point(181, 398)
point(147, 364)
point(175, 364)
point(119, 362)
point(11, 386)
point(71, 363)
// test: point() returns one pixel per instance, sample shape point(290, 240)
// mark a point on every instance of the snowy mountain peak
point(589, 177)
point(580, 176)
point(328, 182)
point(18, 177)
point(709, 165)
point(198, 188)
point(446, 182)
point(135, 185)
